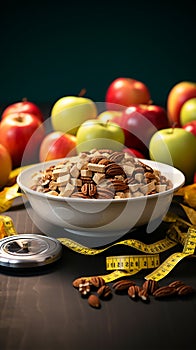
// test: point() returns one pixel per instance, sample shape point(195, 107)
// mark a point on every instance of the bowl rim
point(28, 190)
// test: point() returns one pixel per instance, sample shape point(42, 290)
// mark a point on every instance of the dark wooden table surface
point(40, 309)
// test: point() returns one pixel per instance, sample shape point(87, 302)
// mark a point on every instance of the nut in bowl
point(98, 196)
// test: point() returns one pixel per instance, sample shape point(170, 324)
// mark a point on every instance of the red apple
point(134, 152)
point(177, 96)
point(191, 127)
point(57, 145)
point(5, 165)
point(23, 106)
point(126, 92)
point(140, 123)
point(21, 134)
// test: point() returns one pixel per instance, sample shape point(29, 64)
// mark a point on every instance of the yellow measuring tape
point(7, 196)
point(174, 259)
point(10, 191)
point(131, 264)
point(7, 227)
point(128, 265)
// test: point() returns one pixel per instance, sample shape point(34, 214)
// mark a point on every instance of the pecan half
point(113, 169)
point(89, 189)
point(104, 193)
point(118, 185)
point(143, 295)
point(104, 292)
point(122, 286)
point(133, 291)
point(185, 290)
point(104, 150)
point(78, 281)
point(96, 159)
point(150, 286)
point(104, 161)
point(130, 180)
point(97, 281)
point(117, 156)
point(146, 167)
point(94, 301)
point(176, 284)
point(86, 179)
point(164, 291)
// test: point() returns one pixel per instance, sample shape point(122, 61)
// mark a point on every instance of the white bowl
point(97, 221)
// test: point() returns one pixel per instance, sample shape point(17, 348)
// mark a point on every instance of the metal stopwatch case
point(29, 250)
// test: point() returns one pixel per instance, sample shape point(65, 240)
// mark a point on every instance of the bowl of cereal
point(98, 196)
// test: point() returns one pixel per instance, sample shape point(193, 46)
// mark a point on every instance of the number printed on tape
point(127, 265)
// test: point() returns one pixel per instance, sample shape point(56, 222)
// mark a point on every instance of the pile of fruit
point(127, 120)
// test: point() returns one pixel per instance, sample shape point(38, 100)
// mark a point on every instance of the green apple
point(69, 112)
point(188, 111)
point(96, 134)
point(176, 147)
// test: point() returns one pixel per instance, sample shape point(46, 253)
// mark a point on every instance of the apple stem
point(82, 92)
point(105, 123)
point(24, 99)
point(173, 127)
point(19, 118)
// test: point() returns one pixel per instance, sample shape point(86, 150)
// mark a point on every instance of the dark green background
point(53, 49)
